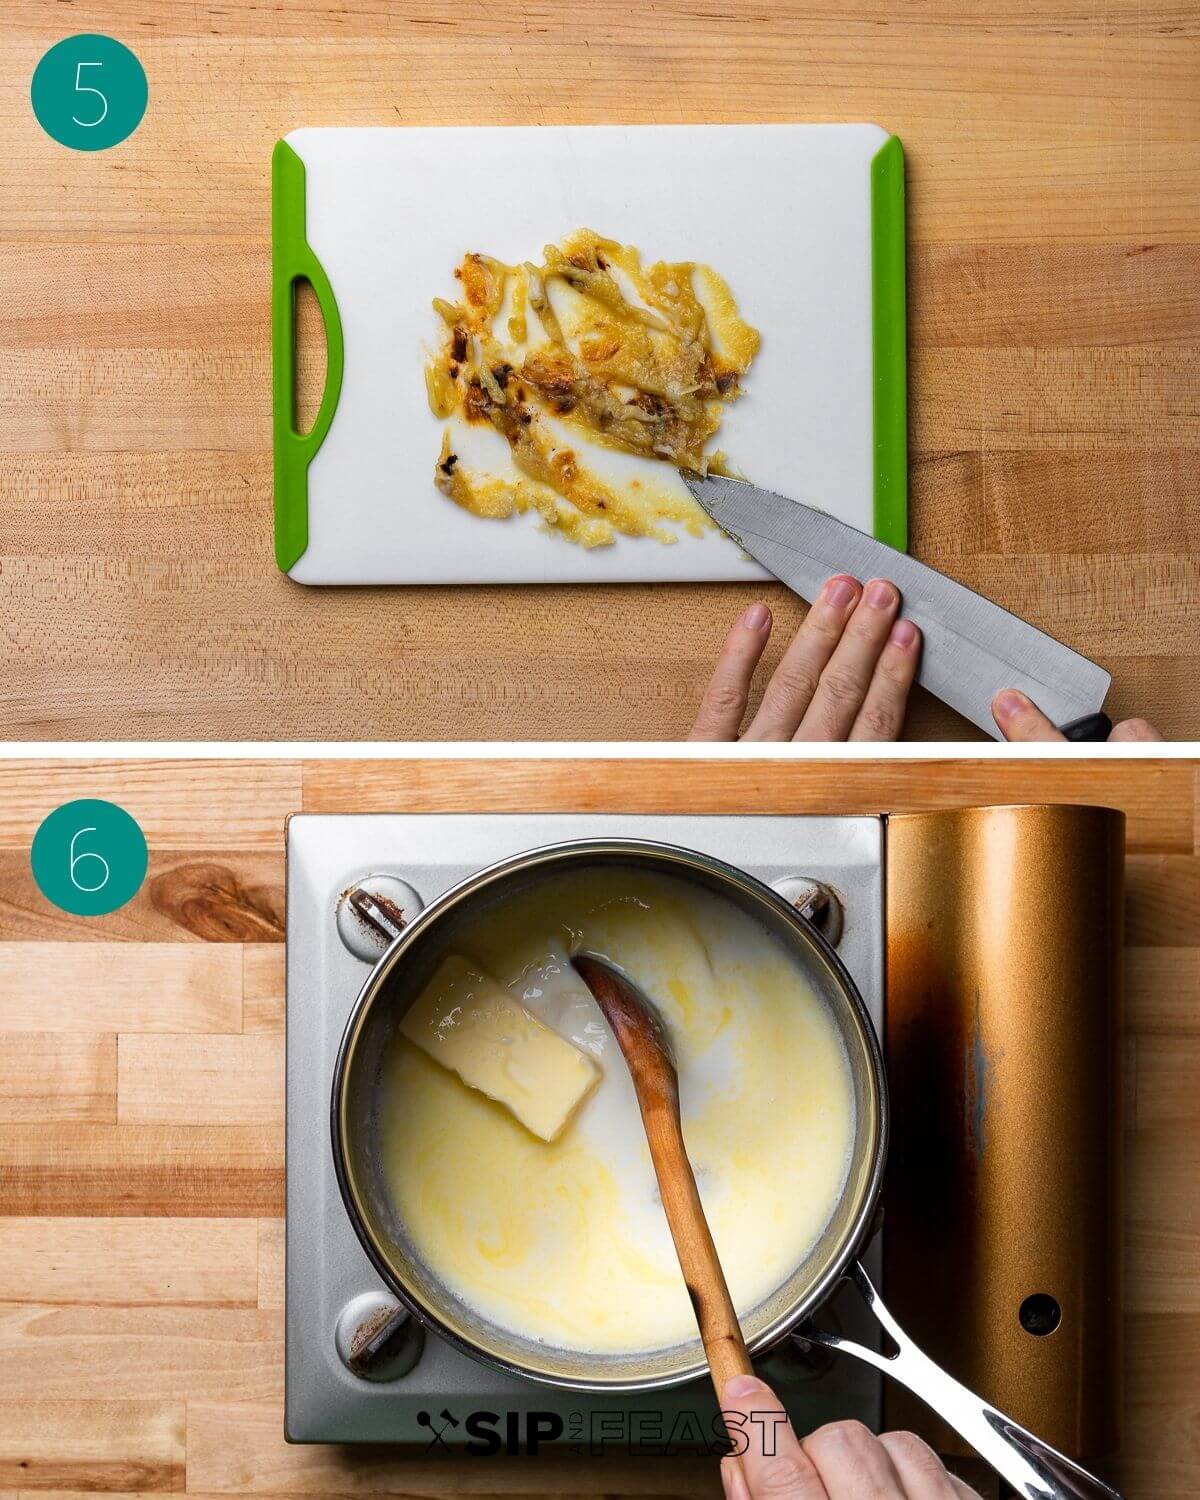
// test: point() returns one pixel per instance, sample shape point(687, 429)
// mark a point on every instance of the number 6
point(86, 88)
point(78, 859)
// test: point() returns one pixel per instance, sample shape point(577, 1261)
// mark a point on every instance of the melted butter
point(639, 361)
point(566, 1241)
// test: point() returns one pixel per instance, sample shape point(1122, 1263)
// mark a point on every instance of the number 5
point(78, 859)
point(86, 88)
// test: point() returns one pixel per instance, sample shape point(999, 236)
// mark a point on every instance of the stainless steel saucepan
point(1035, 1470)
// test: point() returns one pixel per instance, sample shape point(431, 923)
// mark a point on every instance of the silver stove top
point(448, 1399)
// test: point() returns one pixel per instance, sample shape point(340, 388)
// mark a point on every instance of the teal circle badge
point(89, 92)
point(89, 857)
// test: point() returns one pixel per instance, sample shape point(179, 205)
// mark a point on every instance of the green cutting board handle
point(292, 261)
point(889, 362)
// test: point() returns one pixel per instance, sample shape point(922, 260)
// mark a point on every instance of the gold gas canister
point(1002, 1202)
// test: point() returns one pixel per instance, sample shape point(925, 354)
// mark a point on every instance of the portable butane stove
point(995, 936)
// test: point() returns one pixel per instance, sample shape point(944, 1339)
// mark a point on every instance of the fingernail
point(839, 592)
point(744, 1385)
point(1009, 702)
point(880, 595)
point(904, 633)
point(756, 617)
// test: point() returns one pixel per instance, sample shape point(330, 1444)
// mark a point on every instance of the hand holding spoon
point(642, 1038)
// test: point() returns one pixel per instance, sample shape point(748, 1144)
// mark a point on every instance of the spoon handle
point(698, 1260)
point(642, 1039)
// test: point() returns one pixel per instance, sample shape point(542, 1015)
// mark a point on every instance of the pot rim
point(863, 1224)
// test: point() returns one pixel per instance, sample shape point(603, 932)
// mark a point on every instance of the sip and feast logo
point(509, 1434)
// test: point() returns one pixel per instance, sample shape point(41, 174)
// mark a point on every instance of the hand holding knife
point(973, 648)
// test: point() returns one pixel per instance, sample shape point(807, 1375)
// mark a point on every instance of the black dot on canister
point(1040, 1314)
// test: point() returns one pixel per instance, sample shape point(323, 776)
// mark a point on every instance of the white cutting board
point(783, 212)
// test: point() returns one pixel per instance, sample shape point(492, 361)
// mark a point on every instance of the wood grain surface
point(1054, 226)
point(141, 1114)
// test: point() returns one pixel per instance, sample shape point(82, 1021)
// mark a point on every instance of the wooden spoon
point(642, 1038)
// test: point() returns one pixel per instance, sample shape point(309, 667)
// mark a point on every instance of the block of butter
point(473, 1026)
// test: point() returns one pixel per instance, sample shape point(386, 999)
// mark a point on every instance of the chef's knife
point(972, 649)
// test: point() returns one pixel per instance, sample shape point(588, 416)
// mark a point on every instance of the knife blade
point(973, 648)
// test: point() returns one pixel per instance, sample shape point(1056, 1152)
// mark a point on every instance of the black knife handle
point(1091, 727)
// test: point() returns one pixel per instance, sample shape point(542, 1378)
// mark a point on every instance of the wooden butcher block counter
point(141, 1114)
point(1053, 178)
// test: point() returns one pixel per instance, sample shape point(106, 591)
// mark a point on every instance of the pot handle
point(1033, 1469)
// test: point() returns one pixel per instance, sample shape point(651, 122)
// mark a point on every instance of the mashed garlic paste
point(588, 351)
point(567, 1242)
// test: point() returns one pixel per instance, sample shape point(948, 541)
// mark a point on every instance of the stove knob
point(367, 926)
point(817, 902)
point(377, 1339)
